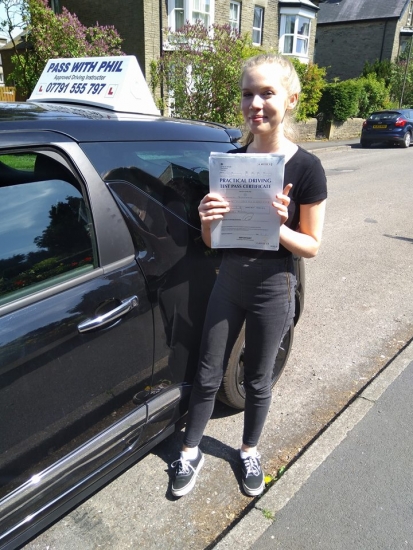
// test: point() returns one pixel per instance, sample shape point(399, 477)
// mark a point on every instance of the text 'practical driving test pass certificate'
point(249, 182)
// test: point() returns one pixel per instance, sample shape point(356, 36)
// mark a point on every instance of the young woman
point(255, 286)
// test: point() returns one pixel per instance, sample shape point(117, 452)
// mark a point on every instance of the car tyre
point(232, 391)
point(365, 144)
point(407, 138)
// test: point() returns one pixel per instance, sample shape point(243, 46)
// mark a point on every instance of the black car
point(104, 281)
point(394, 126)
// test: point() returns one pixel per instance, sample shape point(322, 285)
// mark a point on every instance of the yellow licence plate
point(379, 125)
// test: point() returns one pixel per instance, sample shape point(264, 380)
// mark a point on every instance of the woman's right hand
point(212, 207)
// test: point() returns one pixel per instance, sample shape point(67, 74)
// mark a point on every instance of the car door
point(158, 184)
point(76, 328)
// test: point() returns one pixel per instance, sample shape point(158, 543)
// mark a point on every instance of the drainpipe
point(405, 72)
point(382, 41)
point(161, 46)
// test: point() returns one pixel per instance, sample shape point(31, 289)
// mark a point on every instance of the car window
point(46, 234)
point(176, 174)
point(389, 116)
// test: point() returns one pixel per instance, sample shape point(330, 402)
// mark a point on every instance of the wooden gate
point(7, 93)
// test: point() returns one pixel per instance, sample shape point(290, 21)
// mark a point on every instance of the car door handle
point(110, 317)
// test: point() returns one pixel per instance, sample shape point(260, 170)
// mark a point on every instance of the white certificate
point(249, 182)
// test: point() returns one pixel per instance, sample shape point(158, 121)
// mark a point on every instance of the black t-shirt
point(305, 172)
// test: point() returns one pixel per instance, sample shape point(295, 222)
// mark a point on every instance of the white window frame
point(259, 29)
point(299, 14)
point(178, 7)
point(189, 8)
point(405, 42)
point(410, 15)
point(235, 16)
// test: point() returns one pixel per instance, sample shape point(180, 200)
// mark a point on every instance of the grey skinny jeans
point(261, 292)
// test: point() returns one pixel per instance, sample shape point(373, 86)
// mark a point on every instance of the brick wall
point(222, 12)
point(140, 23)
point(127, 16)
point(306, 131)
point(154, 24)
point(344, 48)
point(271, 26)
point(401, 23)
point(313, 33)
point(270, 29)
point(351, 128)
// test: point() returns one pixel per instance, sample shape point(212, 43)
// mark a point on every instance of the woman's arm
point(304, 242)
point(307, 240)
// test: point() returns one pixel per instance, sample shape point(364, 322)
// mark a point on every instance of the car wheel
point(232, 390)
point(406, 140)
point(365, 144)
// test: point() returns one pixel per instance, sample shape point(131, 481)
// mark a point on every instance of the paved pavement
point(352, 488)
point(330, 144)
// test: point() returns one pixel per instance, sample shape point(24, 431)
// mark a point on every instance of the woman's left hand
point(282, 202)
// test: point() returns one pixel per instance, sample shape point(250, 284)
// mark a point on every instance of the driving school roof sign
point(115, 83)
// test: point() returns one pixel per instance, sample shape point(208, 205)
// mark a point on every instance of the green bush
point(312, 78)
point(374, 95)
point(356, 97)
point(340, 100)
point(382, 70)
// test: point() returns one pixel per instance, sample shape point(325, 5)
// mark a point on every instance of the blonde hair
point(289, 79)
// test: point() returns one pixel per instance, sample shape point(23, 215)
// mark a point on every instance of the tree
point(199, 74)
point(50, 35)
point(401, 83)
point(64, 235)
point(398, 76)
point(14, 13)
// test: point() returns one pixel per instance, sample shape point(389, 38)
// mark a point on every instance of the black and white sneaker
point(185, 474)
point(252, 475)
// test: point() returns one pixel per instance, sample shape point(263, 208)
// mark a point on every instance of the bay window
point(295, 28)
point(296, 34)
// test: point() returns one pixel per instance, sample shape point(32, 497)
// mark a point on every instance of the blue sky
point(2, 17)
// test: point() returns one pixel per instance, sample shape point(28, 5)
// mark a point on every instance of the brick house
point(288, 26)
point(6, 52)
point(351, 32)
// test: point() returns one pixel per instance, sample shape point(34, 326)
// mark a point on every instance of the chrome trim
point(42, 483)
point(126, 432)
point(162, 401)
point(61, 287)
point(110, 317)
